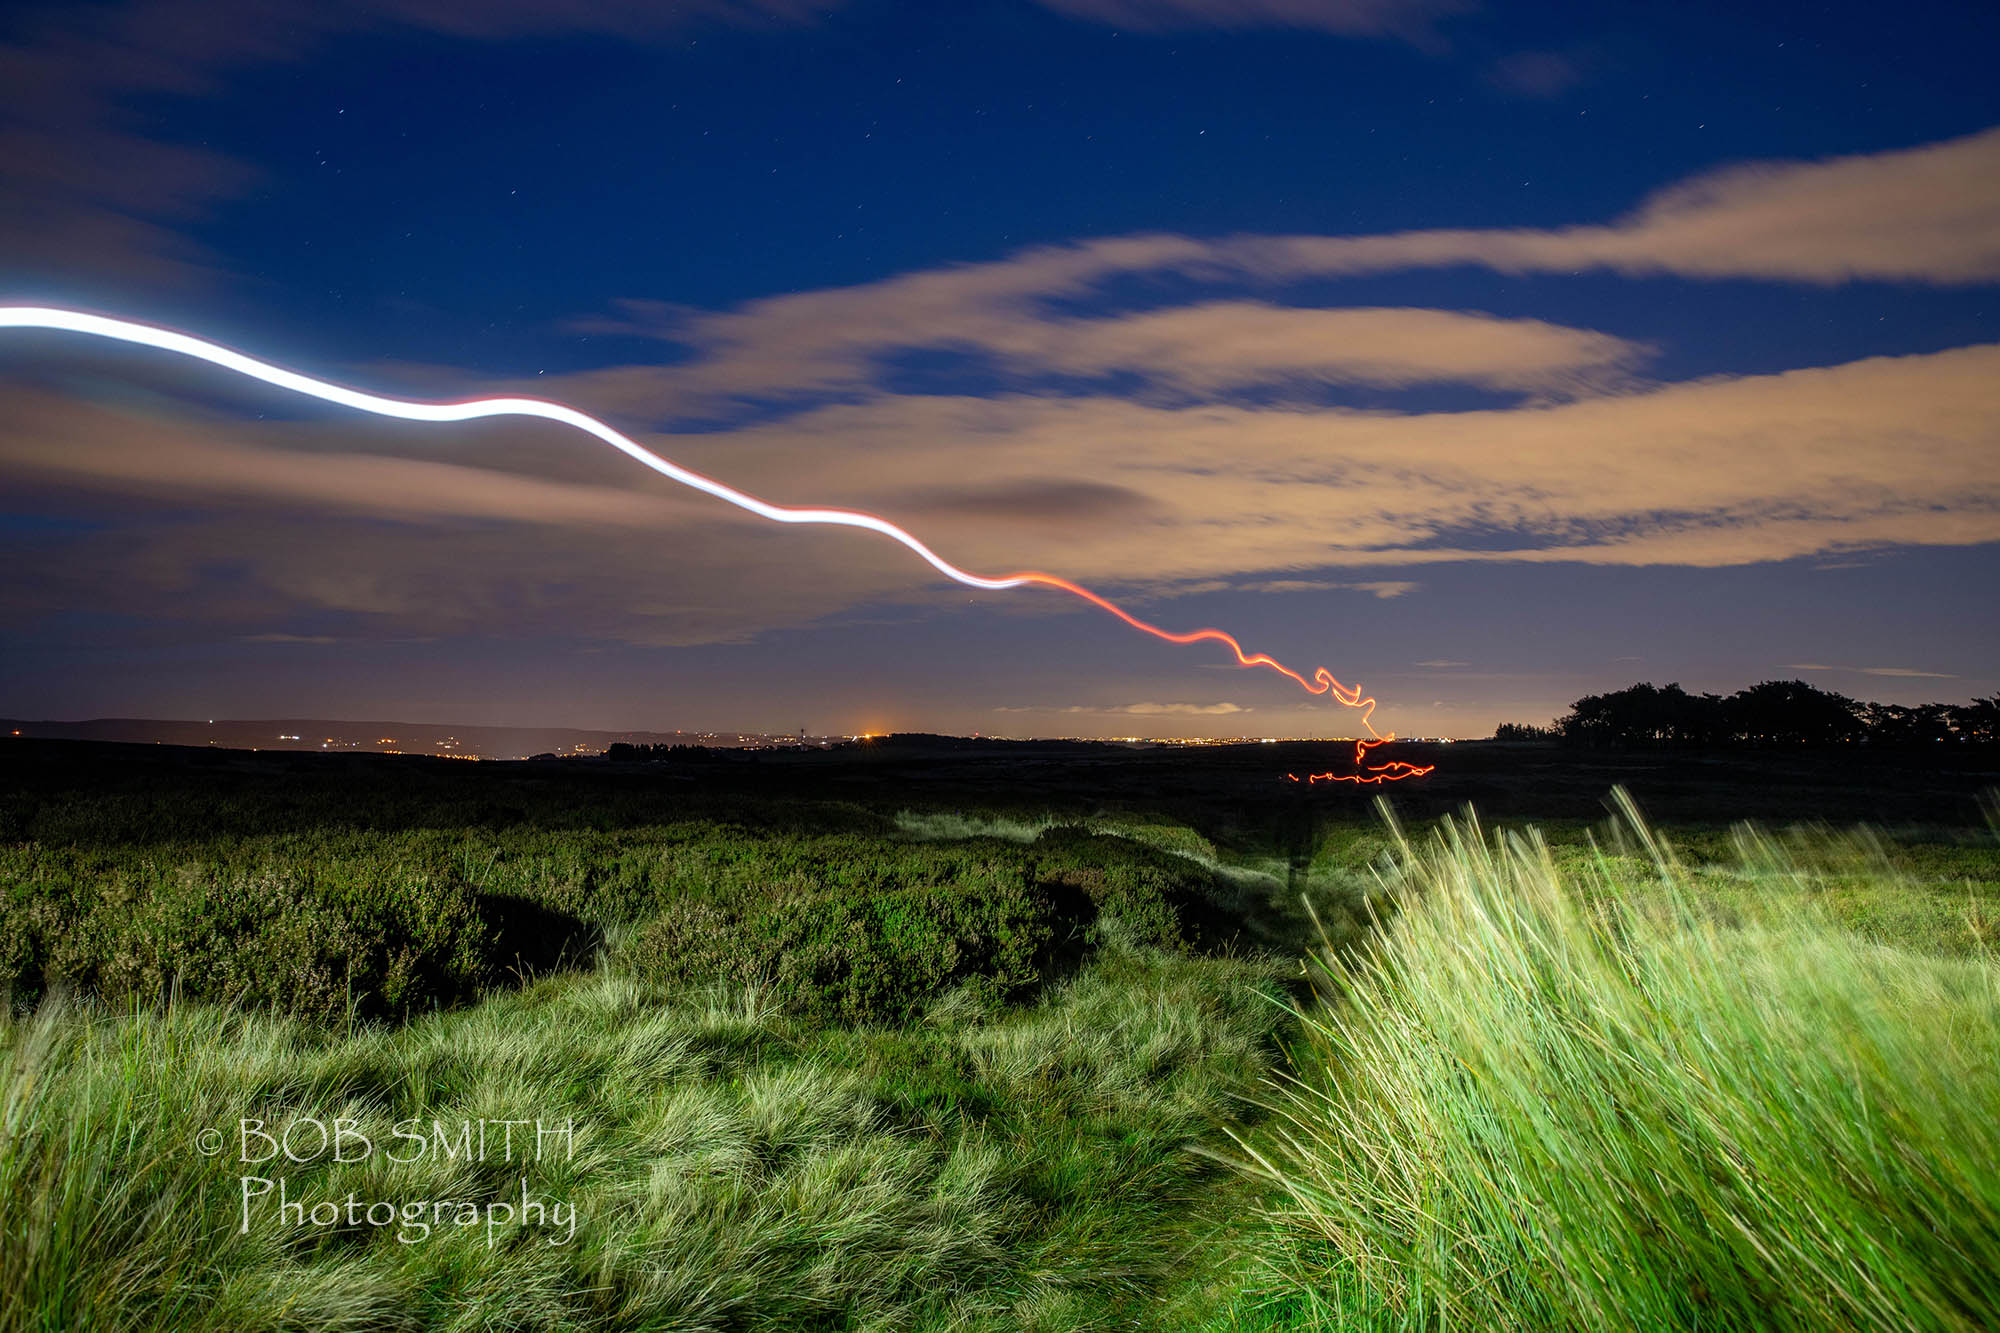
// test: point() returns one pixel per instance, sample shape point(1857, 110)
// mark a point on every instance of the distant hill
point(322, 734)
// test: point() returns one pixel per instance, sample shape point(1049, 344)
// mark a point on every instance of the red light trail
point(1321, 681)
point(1365, 774)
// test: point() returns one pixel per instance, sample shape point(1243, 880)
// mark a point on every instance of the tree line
point(624, 752)
point(1773, 713)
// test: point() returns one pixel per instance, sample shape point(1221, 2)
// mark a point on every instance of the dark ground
point(1236, 795)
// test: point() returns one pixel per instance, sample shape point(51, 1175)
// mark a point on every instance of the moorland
point(929, 1033)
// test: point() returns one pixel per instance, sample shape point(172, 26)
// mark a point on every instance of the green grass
point(862, 923)
point(734, 1168)
point(1569, 1092)
point(836, 1068)
point(826, 1074)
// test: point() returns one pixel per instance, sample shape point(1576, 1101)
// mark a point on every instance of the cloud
point(54, 439)
point(1157, 710)
point(1042, 500)
point(1410, 19)
point(1538, 74)
point(1872, 671)
point(1219, 345)
point(337, 519)
point(1439, 664)
point(509, 526)
point(1149, 495)
point(240, 527)
point(87, 185)
point(204, 574)
point(1380, 588)
point(1927, 214)
point(88, 188)
point(1879, 452)
point(837, 341)
point(1201, 710)
point(1923, 214)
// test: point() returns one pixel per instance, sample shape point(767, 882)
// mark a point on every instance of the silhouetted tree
point(1791, 712)
point(1693, 719)
point(1645, 715)
point(1775, 712)
point(1606, 719)
point(1977, 722)
point(1895, 724)
point(624, 752)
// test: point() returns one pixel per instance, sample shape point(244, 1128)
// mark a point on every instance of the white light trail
point(125, 330)
point(168, 340)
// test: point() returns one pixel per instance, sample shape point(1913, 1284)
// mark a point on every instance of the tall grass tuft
point(1583, 1096)
point(734, 1168)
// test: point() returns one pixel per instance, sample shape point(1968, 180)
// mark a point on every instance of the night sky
point(1485, 354)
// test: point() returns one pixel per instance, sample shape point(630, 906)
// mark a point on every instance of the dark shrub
point(1162, 899)
point(861, 956)
point(317, 947)
point(527, 939)
point(859, 930)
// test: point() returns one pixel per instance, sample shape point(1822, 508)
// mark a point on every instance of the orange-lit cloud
point(1900, 672)
point(1925, 214)
point(1133, 710)
point(1884, 451)
point(1929, 214)
point(1219, 345)
point(1880, 452)
point(1174, 488)
point(835, 341)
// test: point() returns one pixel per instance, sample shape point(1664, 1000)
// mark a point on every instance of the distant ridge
point(324, 735)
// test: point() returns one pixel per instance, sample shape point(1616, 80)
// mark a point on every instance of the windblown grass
point(1562, 1085)
point(1569, 1093)
point(733, 1167)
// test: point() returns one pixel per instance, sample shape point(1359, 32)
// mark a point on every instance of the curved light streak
point(1321, 681)
point(1366, 774)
